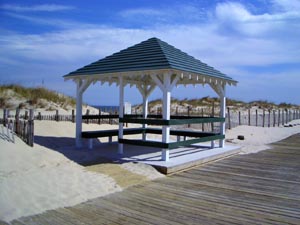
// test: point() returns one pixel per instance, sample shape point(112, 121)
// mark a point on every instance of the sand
point(33, 180)
point(40, 178)
point(258, 138)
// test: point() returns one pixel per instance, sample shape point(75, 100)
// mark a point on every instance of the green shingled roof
point(152, 54)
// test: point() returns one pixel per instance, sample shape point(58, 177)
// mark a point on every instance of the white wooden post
point(78, 115)
point(145, 92)
point(145, 114)
point(166, 115)
point(166, 86)
point(220, 90)
point(81, 87)
point(121, 112)
point(222, 115)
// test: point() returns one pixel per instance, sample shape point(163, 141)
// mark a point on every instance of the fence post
point(87, 113)
point(202, 114)
point(188, 114)
point(278, 122)
point(263, 123)
point(5, 117)
point(286, 116)
point(56, 116)
point(274, 118)
point(249, 116)
point(256, 117)
point(212, 115)
point(26, 115)
point(73, 116)
point(269, 118)
point(110, 120)
point(229, 122)
point(240, 122)
point(40, 116)
point(30, 131)
point(17, 122)
point(99, 119)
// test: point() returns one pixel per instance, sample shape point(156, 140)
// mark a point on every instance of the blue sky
point(255, 42)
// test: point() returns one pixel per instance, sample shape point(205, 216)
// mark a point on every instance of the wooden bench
point(198, 137)
point(108, 133)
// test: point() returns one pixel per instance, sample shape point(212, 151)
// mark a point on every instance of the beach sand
point(258, 138)
point(40, 178)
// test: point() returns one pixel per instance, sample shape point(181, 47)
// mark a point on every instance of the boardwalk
point(262, 188)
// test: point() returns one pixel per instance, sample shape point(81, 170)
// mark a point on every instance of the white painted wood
point(175, 81)
point(78, 114)
point(145, 91)
point(166, 114)
point(166, 87)
point(145, 114)
point(121, 112)
point(223, 115)
point(220, 90)
point(82, 85)
point(212, 144)
point(158, 81)
point(165, 156)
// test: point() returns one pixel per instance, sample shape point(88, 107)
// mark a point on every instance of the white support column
point(223, 115)
point(166, 115)
point(145, 92)
point(81, 87)
point(220, 90)
point(145, 114)
point(121, 112)
point(78, 115)
point(166, 86)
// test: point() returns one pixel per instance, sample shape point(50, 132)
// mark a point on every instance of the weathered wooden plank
point(261, 188)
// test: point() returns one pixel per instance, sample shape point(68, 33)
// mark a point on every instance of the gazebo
point(147, 65)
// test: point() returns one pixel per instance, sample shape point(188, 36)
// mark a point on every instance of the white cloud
point(57, 23)
point(286, 5)
point(234, 38)
point(182, 13)
point(36, 8)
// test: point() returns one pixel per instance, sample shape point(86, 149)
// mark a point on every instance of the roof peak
point(151, 54)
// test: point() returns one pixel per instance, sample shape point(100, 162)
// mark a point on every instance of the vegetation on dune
point(36, 97)
point(209, 101)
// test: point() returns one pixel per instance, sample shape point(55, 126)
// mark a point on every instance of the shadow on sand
point(108, 152)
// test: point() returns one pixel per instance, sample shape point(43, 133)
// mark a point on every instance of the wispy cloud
point(176, 14)
point(233, 39)
point(36, 8)
point(58, 23)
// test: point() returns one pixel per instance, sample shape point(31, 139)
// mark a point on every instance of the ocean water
point(107, 108)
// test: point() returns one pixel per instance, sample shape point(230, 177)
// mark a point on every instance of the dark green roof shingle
point(152, 54)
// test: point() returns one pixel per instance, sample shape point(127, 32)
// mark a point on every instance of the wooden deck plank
point(260, 188)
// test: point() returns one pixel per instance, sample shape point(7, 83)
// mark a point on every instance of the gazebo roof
point(150, 57)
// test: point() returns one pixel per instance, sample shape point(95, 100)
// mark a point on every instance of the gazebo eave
point(144, 77)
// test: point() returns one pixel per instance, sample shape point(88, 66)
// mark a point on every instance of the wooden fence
point(260, 118)
point(22, 126)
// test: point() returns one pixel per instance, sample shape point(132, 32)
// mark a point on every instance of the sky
point(255, 42)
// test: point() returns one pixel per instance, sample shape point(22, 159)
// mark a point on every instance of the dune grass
point(33, 96)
